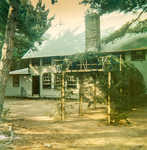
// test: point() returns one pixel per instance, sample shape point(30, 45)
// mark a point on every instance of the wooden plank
point(62, 95)
point(80, 95)
point(95, 91)
point(109, 99)
point(85, 70)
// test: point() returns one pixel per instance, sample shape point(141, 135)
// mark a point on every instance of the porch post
point(62, 95)
point(95, 91)
point(109, 99)
point(80, 95)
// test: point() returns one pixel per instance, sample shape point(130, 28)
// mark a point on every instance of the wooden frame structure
point(82, 68)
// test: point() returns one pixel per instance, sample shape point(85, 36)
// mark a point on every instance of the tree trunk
point(7, 53)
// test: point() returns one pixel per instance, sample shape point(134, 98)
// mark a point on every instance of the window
point(46, 80)
point(71, 82)
point(138, 55)
point(35, 62)
point(16, 81)
point(58, 80)
point(46, 61)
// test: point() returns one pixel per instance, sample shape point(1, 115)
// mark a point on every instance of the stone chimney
point(92, 31)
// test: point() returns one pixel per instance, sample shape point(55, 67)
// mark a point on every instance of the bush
point(127, 90)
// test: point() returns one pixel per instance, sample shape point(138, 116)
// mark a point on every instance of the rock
point(48, 145)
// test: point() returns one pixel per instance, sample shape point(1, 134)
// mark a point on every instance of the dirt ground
point(36, 126)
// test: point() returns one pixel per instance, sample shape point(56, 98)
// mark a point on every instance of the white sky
point(70, 15)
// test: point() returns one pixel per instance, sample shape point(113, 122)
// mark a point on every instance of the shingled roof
point(20, 71)
point(125, 44)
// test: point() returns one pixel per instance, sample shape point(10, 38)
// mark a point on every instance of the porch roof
point(24, 71)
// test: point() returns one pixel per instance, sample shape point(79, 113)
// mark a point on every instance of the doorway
point(36, 85)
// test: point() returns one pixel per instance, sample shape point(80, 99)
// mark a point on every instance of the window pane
point(71, 82)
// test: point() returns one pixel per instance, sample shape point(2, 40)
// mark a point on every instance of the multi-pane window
point(15, 80)
point(36, 62)
point(46, 80)
point(46, 61)
point(71, 82)
point(138, 55)
point(57, 80)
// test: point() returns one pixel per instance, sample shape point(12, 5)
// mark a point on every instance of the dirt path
point(38, 128)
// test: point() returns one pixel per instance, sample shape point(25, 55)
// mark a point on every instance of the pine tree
point(21, 26)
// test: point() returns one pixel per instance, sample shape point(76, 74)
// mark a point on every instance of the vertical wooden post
point(80, 96)
point(120, 69)
point(62, 94)
point(95, 91)
point(109, 99)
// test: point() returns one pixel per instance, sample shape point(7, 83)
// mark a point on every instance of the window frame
point(47, 81)
point(138, 56)
point(71, 82)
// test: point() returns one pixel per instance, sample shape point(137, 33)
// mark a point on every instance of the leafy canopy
point(107, 6)
point(31, 24)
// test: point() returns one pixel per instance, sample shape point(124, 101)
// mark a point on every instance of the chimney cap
point(91, 11)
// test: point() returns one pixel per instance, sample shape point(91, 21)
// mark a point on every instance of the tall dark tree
point(21, 26)
point(32, 22)
point(7, 48)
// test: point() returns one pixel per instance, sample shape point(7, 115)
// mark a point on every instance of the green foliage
point(117, 34)
point(126, 92)
point(139, 27)
point(3, 20)
point(54, 1)
point(107, 6)
point(3, 15)
point(31, 24)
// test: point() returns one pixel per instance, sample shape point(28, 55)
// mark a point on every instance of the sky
point(69, 15)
